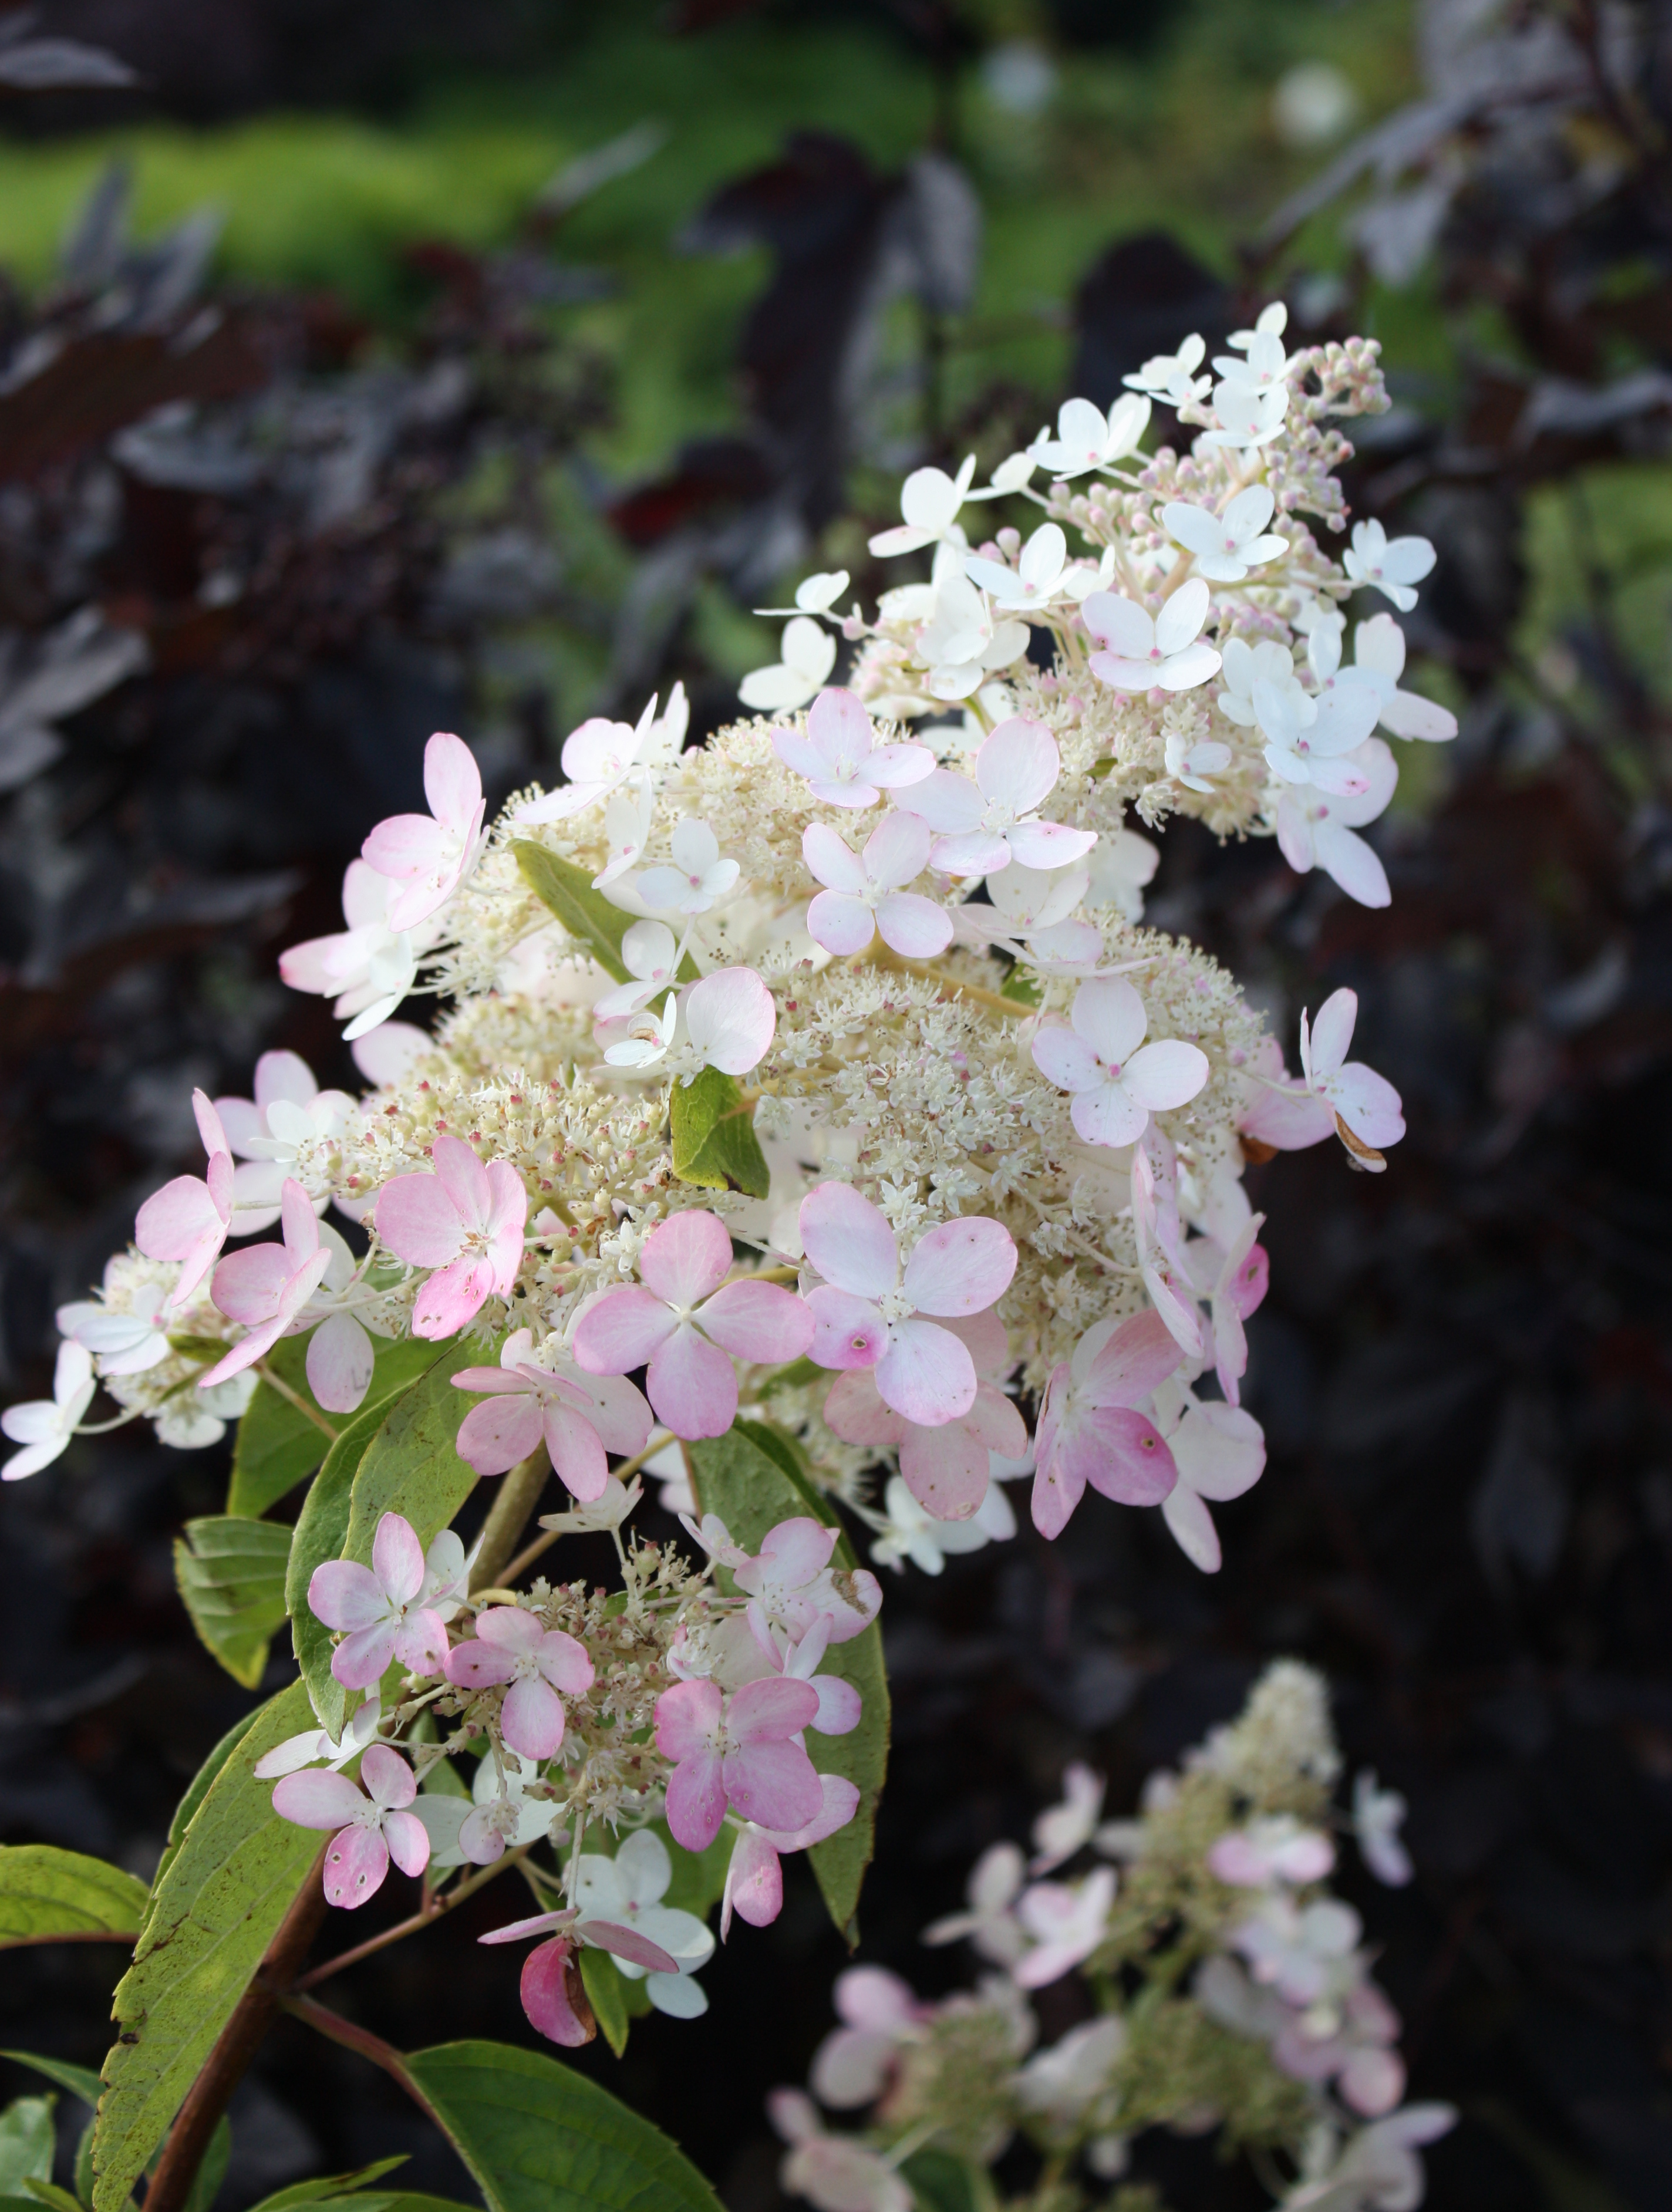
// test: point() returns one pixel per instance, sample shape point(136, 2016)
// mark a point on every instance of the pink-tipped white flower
point(866, 1313)
point(983, 826)
point(791, 1583)
point(1317, 829)
point(542, 1665)
point(650, 957)
point(754, 1880)
point(627, 1892)
point(188, 1220)
point(43, 1427)
point(808, 653)
point(946, 1468)
point(1378, 654)
point(1035, 581)
point(599, 755)
point(1274, 1849)
point(1087, 438)
point(929, 502)
point(1117, 1081)
point(878, 2012)
point(865, 897)
point(679, 1320)
point(1365, 1101)
point(581, 1417)
point(267, 1133)
point(696, 879)
point(1067, 1921)
point(738, 1751)
point(1392, 565)
point(1090, 1430)
point(129, 1342)
point(372, 1828)
point(1227, 546)
point(313, 1746)
point(840, 757)
point(1315, 740)
point(264, 1288)
point(467, 1222)
point(834, 2173)
point(369, 968)
point(1172, 376)
point(1141, 650)
point(429, 855)
point(1247, 418)
point(1219, 1453)
point(384, 1609)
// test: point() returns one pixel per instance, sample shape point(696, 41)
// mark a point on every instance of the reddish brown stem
point(238, 2040)
point(355, 2038)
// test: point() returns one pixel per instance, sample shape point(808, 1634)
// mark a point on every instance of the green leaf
point(540, 2138)
point(1021, 986)
point(278, 1444)
point(81, 2081)
point(206, 2183)
point(331, 2188)
point(213, 1910)
point(27, 2140)
point(940, 2182)
point(714, 1143)
point(48, 2192)
point(230, 1571)
point(46, 1894)
point(322, 1529)
point(751, 1478)
point(563, 890)
point(607, 1994)
point(185, 1811)
point(795, 1376)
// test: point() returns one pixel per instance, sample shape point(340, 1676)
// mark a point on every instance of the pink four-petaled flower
point(581, 1417)
point(679, 1320)
point(946, 1468)
point(511, 1646)
point(264, 1288)
point(840, 756)
point(985, 825)
point(868, 1315)
point(1089, 1429)
point(737, 1751)
point(1117, 1080)
point(382, 1608)
point(429, 854)
point(467, 1221)
point(864, 895)
point(373, 1826)
point(187, 1220)
point(754, 1878)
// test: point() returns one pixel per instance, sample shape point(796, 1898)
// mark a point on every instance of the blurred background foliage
point(368, 371)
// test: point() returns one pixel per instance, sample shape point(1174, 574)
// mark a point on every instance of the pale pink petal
point(1066, 1060)
point(452, 783)
point(249, 1284)
point(1110, 1015)
point(854, 1410)
point(339, 1364)
point(397, 1559)
point(801, 755)
point(757, 1320)
point(849, 1332)
point(317, 1799)
point(754, 1882)
point(897, 849)
point(695, 1800)
point(840, 1708)
point(1122, 1454)
point(565, 1663)
point(1221, 1451)
point(796, 1550)
point(984, 1335)
point(1368, 1104)
point(960, 1266)
point(832, 858)
point(209, 1123)
point(576, 1448)
point(405, 846)
point(692, 1388)
point(1109, 1115)
point(915, 927)
point(630, 1943)
point(1017, 766)
point(769, 1711)
point(242, 1118)
point(387, 1778)
point(1332, 1034)
point(946, 1469)
point(925, 1374)
point(849, 1241)
point(474, 1664)
point(774, 1782)
point(420, 1643)
point(619, 1412)
point(1164, 1074)
point(974, 852)
point(363, 1658)
point(1048, 844)
point(625, 1327)
point(451, 1296)
point(951, 804)
point(1122, 624)
point(732, 1018)
point(1193, 1529)
point(840, 1801)
point(545, 1998)
point(173, 1219)
point(407, 1840)
point(464, 1179)
point(688, 1720)
point(344, 1595)
point(357, 1860)
point(685, 1259)
point(509, 1628)
point(418, 1221)
point(896, 768)
point(494, 1436)
point(840, 728)
point(532, 1718)
point(1123, 675)
point(1141, 1354)
point(1058, 1487)
point(841, 925)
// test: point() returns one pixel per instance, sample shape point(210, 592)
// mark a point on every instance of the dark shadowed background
point(348, 392)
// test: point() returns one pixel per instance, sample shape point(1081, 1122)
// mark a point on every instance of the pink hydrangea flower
point(581, 1417)
point(754, 1876)
point(539, 1663)
point(840, 759)
point(834, 2173)
point(265, 1286)
point(188, 1219)
point(946, 1468)
point(553, 1994)
point(1275, 1849)
point(866, 1314)
point(839, 1703)
point(1159, 1240)
point(1090, 1429)
point(1220, 1452)
point(599, 755)
point(737, 1751)
point(372, 1828)
point(864, 895)
point(1117, 1080)
point(382, 1606)
point(369, 968)
point(1364, 1100)
point(429, 854)
point(680, 1320)
point(467, 1222)
point(1279, 1110)
point(878, 2012)
point(985, 825)
point(1356, 2054)
point(790, 1582)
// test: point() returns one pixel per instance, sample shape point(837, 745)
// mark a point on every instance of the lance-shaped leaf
point(751, 1478)
point(216, 1906)
point(279, 1441)
point(597, 926)
point(230, 1572)
point(539, 2136)
point(27, 2140)
point(714, 1142)
point(49, 1896)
